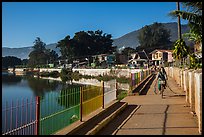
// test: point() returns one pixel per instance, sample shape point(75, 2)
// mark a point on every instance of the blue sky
point(22, 22)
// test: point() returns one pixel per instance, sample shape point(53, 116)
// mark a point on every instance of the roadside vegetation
point(121, 94)
point(193, 14)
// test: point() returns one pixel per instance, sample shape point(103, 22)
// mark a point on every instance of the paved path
point(151, 115)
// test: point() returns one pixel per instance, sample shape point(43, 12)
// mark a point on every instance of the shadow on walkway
point(115, 123)
point(144, 91)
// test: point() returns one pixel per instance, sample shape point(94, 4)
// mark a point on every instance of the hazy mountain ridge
point(131, 40)
point(127, 40)
point(25, 51)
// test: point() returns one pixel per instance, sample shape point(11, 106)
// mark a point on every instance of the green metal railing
point(62, 110)
point(58, 110)
point(53, 111)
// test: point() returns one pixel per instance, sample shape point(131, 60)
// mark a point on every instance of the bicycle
point(161, 84)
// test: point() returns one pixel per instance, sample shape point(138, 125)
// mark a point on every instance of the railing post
point(116, 88)
point(102, 84)
point(81, 99)
point(130, 81)
point(37, 115)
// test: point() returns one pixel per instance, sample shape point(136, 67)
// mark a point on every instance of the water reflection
point(55, 97)
point(40, 86)
point(27, 85)
point(10, 79)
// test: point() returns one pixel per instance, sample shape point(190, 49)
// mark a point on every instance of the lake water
point(23, 87)
point(17, 89)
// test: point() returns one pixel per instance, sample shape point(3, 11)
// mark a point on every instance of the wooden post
point(131, 85)
point(116, 88)
point(81, 101)
point(102, 84)
point(37, 115)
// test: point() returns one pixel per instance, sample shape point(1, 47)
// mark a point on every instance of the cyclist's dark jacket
point(161, 76)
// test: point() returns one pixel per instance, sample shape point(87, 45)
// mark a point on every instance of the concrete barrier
point(186, 85)
point(50, 69)
point(191, 82)
point(191, 91)
point(198, 98)
point(115, 72)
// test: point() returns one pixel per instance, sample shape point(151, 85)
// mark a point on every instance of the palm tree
point(194, 16)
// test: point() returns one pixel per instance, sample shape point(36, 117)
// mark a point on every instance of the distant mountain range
point(131, 40)
point(128, 40)
point(25, 51)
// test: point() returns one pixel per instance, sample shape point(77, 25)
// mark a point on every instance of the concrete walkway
point(151, 115)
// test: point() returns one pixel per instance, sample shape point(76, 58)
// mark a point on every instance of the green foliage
point(194, 62)
point(44, 74)
point(37, 57)
point(154, 35)
point(40, 55)
point(89, 43)
point(10, 61)
point(39, 45)
point(127, 51)
point(66, 49)
point(54, 74)
point(180, 49)
point(122, 94)
point(65, 75)
point(123, 80)
point(76, 75)
point(96, 62)
point(193, 14)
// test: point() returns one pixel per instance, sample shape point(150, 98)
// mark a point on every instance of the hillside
point(128, 40)
point(25, 51)
point(131, 40)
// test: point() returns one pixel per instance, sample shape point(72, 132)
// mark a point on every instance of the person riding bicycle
point(161, 76)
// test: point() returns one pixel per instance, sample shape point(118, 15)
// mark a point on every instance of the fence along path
point(151, 115)
point(56, 110)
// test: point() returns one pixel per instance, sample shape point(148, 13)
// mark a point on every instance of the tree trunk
point(179, 22)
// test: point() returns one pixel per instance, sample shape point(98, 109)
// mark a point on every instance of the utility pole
point(179, 22)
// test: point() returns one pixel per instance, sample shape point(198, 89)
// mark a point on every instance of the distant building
point(139, 59)
point(161, 57)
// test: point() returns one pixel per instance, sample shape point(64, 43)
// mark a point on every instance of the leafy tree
point(193, 14)
point(37, 58)
point(96, 61)
point(153, 36)
point(180, 49)
point(10, 61)
point(66, 48)
point(40, 55)
point(127, 51)
point(39, 45)
point(24, 61)
point(53, 56)
point(86, 44)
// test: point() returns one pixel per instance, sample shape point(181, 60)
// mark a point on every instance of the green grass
point(122, 94)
